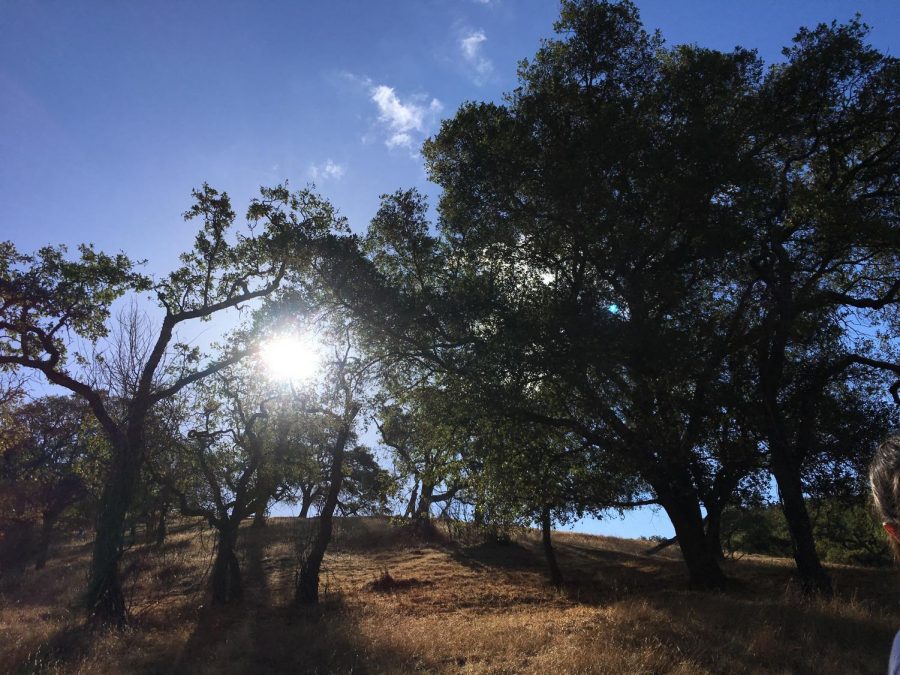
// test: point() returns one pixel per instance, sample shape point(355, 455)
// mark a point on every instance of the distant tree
point(427, 435)
point(51, 302)
point(367, 486)
point(47, 468)
point(233, 435)
point(337, 402)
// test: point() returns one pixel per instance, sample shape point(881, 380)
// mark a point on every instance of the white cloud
point(326, 171)
point(351, 78)
point(470, 45)
point(406, 121)
point(401, 139)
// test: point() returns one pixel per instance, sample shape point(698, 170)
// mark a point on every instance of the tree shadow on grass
point(278, 639)
point(761, 620)
point(265, 633)
point(252, 548)
point(767, 634)
point(495, 555)
point(65, 647)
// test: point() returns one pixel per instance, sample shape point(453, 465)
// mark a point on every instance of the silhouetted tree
point(826, 244)
point(49, 300)
point(338, 403)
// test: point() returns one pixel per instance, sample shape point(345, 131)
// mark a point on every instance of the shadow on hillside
point(772, 634)
point(252, 547)
point(495, 555)
point(256, 638)
point(265, 633)
point(763, 620)
point(376, 533)
point(65, 647)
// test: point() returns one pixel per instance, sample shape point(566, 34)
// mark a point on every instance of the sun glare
point(290, 358)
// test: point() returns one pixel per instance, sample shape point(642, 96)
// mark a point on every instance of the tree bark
point(477, 515)
point(105, 600)
point(411, 505)
point(556, 577)
point(48, 520)
point(784, 462)
point(307, 589)
point(714, 530)
point(259, 519)
point(423, 510)
point(664, 544)
point(304, 508)
point(683, 508)
point(161, 526)
point(813, 577)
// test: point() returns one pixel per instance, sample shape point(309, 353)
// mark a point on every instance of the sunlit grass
point(462, 606)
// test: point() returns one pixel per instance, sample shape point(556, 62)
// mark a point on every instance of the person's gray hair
point(884, 477)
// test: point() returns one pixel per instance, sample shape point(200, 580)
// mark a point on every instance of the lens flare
point(290, 358)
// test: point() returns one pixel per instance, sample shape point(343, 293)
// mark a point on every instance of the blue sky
point(111, 112)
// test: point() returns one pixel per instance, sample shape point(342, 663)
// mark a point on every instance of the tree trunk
point(477, 515)
point(226, 572)
point(161, 528)
point(304, 508)
point(411, 506)
point(259, 519)
point(683, 509)
point(813, 577)
point(48, 520)
point(105, 601)
point(307, 589)
point(714, 530)
point(556, 577)
point(783, 461)
point(423, 510)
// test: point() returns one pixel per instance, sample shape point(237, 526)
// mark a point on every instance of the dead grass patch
point(397, 602)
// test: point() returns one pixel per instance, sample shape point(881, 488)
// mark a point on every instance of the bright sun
point(290, 358)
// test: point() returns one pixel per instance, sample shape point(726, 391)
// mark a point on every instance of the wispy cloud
point(405, 121)
point(470, 45)
point(327, 171)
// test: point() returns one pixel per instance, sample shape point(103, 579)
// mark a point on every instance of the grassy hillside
point(396, 603)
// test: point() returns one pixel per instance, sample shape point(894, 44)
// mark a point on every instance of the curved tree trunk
point(683, 508)
point(556, 577)
point(306, 502)
point(226, 573)
point(784, 460)
point(307, 589)
point(813, 577)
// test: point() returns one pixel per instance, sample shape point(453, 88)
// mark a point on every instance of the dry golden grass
point(452, 608)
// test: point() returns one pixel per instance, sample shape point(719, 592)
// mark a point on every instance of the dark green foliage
point(844, 533)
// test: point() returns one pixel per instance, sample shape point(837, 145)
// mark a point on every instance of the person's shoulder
point(894, 665)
